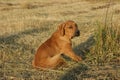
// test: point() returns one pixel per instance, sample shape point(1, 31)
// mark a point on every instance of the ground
point(25, 25)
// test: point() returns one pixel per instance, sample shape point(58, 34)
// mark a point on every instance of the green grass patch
point(106, 47)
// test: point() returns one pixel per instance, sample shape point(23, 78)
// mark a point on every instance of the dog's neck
point(64, 38)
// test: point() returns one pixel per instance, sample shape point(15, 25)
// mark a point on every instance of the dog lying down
point(49, 53)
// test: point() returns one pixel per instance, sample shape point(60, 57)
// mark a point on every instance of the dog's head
point(69, 29)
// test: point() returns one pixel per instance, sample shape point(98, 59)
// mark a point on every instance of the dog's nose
point(77, 33)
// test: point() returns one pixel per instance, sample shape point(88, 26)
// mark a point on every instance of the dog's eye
point(70, 27)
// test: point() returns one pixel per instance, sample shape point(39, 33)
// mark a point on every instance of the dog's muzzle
point(77, 33)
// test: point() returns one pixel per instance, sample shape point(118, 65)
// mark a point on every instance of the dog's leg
point(72, 55)
point(53, 62)
point(56, 61)
point(69, 52)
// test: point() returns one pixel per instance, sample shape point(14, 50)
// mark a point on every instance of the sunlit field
point(26, 24)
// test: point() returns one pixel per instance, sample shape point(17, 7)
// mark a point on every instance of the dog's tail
point(33, 63)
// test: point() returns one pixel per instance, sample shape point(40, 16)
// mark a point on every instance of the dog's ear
point(61, 29)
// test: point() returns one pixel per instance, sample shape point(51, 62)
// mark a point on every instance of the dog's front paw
point(78, 58)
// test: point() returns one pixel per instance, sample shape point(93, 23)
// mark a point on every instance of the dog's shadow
point(74, 72)
point(81, 49)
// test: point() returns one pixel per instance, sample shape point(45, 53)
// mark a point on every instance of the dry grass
point(24, 25)
point(107, 42)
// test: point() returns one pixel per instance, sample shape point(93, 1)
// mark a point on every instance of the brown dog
point(49, 53)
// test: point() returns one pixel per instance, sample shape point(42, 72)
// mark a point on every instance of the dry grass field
point(26, 24)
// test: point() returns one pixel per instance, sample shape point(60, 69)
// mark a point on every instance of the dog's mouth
point(77, 33)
